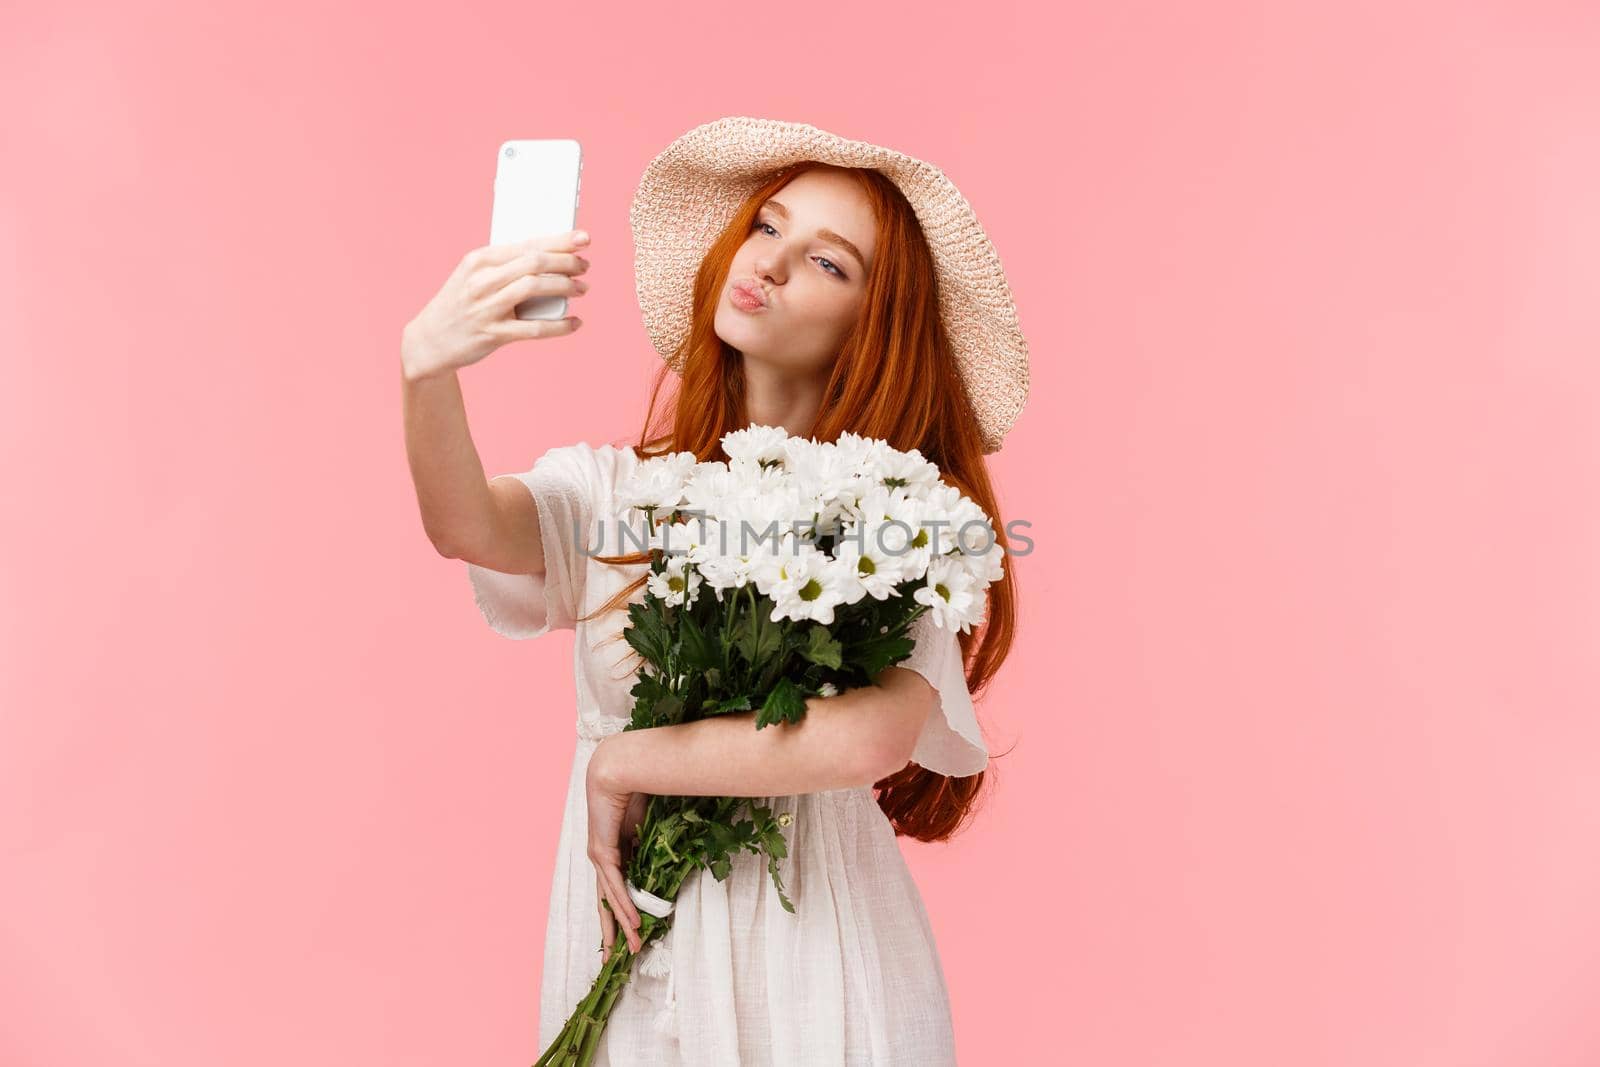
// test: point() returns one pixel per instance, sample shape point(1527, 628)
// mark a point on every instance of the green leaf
point(758, 638)
point(696, 651)
point(777, 880)
point(647, 692)
point(784, 704)
point(647, 634)
point(821, 648)
point(876, 653)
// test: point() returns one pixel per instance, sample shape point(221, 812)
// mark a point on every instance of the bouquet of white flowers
point(817, 557)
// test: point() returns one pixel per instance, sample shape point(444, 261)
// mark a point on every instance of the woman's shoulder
point(595, 450)
point(598, 462)
point(603, 462)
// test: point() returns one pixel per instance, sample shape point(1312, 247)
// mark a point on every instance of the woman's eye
point(762, 227)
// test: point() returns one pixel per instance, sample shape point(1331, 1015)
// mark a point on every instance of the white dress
point(853, 976)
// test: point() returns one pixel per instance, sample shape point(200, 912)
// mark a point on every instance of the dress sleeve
point(950, 742)
point(569, 485)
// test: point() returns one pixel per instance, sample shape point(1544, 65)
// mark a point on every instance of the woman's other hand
point(614, 814)
point(474, 312)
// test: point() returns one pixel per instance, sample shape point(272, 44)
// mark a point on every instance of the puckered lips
point(746, 294)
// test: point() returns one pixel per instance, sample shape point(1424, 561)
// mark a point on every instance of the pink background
point(1300, 734)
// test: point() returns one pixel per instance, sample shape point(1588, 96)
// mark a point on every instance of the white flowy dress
point(853, 976)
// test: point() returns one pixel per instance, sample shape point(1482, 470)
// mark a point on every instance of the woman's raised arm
point(466, 516)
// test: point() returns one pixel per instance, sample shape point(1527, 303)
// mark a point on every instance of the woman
point(790, 278)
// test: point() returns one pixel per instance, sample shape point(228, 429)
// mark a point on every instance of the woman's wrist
point(417, 361)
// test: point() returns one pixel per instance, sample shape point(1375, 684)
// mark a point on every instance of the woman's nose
point(767, 270)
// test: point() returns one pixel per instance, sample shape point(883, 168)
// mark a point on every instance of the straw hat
point(691, 190)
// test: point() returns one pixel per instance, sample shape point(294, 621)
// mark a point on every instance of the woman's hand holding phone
point(474, 312)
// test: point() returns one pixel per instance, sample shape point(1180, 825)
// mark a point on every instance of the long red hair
point(895, 379)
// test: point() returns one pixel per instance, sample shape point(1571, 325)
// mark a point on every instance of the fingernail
point(580, 236)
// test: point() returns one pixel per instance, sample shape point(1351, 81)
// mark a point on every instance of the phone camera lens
point(510, 152)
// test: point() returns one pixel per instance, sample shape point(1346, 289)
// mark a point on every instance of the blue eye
point(831, 268)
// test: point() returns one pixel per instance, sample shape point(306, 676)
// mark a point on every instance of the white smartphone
point(536, 186)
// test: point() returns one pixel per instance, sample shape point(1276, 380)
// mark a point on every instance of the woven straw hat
point(693, 188)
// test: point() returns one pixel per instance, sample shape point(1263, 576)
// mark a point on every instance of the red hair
point(900, 339)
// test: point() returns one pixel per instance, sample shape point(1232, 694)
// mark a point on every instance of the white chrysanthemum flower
point(693, 539)
point(656, 482)
point(802, 582)
point(980, 550)
point(797, 513)
point(860, 467)
point(872, 506)
point(863, 453)
point(908, 530)
point(828, 689)
point(833, 480)
point(817, 467)
point(877, 572)
point(797, 449)
point(710, 484)
point(773, 515)
point(760, 444)
point(984, 561)
point(971, 534)
point(678, 584)
point(952, 595)
point(909, 471)
point(727, 572)
point(742, 532)
point(754, 479)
